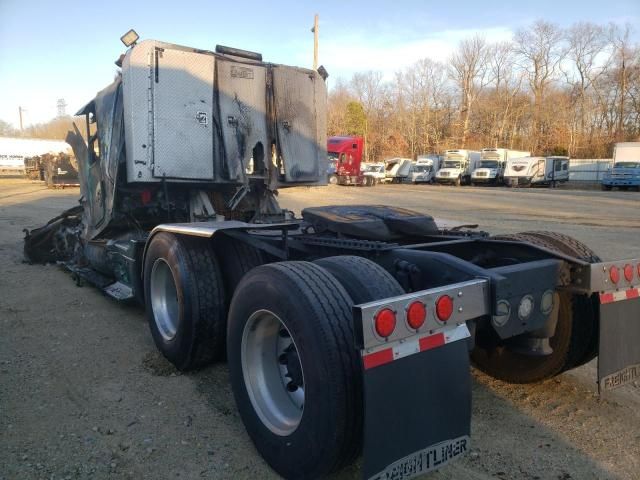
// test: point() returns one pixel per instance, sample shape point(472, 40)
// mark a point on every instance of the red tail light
point(385, 322)
point(145, 196)
point(614, 274)
point(444, 308)
point(628, 272)
point(416, 315)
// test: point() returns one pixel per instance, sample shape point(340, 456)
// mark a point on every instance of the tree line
point(55, 129)
point(549, 90)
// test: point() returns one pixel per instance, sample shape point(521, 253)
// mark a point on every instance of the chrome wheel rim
point(164, 299)
point(273, 372)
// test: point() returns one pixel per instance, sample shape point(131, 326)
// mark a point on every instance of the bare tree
point(623, 52)
point(588, 59)
point(507, 83)
point(469, 71)
point(540, 50)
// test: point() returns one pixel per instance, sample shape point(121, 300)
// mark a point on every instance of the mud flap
point(619, 348)
point(417, 411)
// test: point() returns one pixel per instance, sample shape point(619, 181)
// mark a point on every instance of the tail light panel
point(468, 300)
point(607, 276)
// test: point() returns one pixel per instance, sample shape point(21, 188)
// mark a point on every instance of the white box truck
point(492, 165)
point(457, 166)
point(530, 171)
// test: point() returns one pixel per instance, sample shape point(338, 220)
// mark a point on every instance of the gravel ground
point(84, 394)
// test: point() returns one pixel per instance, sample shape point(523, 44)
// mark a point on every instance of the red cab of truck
point(346, 151)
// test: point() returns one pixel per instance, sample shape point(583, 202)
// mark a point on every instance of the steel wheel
point(272, 372)
point(164, 299)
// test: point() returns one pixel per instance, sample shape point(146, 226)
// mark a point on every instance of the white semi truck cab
point(492, 164)
point(458, 166)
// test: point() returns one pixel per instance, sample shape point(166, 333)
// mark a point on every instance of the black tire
point(333, 179)
point(586, 322)
point(236, 260)
point(575, 340)
point(316, 311)
point(363, 279)
point(606, 188)
point(200, 324)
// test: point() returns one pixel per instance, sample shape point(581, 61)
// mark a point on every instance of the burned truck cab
point(349, 328)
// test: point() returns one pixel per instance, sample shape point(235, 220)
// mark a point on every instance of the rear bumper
point(417, 423)
point(619, 316)
point(409, 434)
point(621, 182)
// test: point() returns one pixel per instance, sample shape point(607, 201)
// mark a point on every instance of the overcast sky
point(66, 49)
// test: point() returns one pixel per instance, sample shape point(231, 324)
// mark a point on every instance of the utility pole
point(20, 110)
point(315, 42)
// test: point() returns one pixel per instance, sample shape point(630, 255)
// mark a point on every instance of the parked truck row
point(490, 166)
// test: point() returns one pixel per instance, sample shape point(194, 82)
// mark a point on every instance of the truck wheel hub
point(273, 373)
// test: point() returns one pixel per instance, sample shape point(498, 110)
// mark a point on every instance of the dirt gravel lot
point(83, 393)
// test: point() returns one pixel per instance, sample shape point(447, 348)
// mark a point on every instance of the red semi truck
point(347, 151)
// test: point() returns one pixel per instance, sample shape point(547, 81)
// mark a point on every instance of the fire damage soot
point(425, 460)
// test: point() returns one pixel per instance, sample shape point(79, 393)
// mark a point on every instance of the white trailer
point(532, 171)
point(492, 164)
point(457, 166)
point(13, 152)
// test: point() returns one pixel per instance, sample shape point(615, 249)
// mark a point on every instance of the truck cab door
point(182, 86)
point(300, 105)
point(242, 91)
point(96, 186)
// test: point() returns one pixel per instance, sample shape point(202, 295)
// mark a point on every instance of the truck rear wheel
point(184, 298)
point(575, 340)
point(236, 260)
point(363, 279)
point(295, 373)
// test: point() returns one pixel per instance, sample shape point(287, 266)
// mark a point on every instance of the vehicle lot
point(83, 393)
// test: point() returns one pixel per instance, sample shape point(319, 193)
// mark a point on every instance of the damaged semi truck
point(347, 332)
